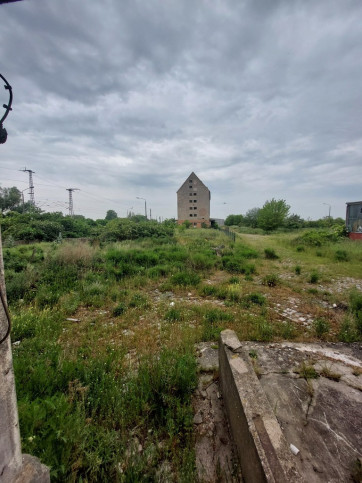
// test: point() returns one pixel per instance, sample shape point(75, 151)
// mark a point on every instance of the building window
point(195, 201)
point(190, 201)
point(190, 186)
point(190, 194)
point(195, 224)
point(195, 214)
point(190, 214)
point(194, 193)
point(190, 181)
point(190, 207)
point(195, 207)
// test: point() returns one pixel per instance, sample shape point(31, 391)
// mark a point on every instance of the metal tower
point(71, 212)
point(31, 185)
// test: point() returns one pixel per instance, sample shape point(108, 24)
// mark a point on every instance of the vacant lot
point(104, 336)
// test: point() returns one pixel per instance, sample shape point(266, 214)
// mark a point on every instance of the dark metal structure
point(7, 107)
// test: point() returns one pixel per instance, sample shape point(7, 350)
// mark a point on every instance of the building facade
point(193, 202)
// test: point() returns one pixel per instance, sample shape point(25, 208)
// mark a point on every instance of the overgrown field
point(103, 336)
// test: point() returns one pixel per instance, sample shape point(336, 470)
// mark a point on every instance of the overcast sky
point(124, 98)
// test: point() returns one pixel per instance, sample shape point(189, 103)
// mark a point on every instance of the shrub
point(256, 298)
point(185, 279)
point(270, 254)
point(300, 248)
point(208, 290)
point(234, 280)
point(298, 270)
point(314, 277)
point(321, 327)
point(119, 309)
point(271, 280)
point(173, 315)
point(341, 256)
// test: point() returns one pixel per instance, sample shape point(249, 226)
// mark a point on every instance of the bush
point(271, 280)
point(119, 309)
point(314, 277)
point(270, 254)
point(321, 327)
point(256, 298)
point(298, 270)
point(185, 279)
point(341, 256)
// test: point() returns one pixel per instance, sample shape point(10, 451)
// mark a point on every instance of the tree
point(234, 220)
point(251, 218)
point(273, 214)
point(111, 215)
point(9, 198)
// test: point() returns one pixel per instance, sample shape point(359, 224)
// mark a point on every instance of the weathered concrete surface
point(32, 471)
point(320, 416)
point(262, 448)
point(216, 459)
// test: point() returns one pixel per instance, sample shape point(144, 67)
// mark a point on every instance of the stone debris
point(70, 319)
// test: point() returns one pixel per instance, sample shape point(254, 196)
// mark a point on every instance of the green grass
point(92, 392)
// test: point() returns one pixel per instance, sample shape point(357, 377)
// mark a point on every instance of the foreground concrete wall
point(262, 449)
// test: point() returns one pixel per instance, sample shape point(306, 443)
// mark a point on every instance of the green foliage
point(251, 218)
point(126, 229)
point(185, 279)
point(314, 277)
point(298, 269)
point(317, 238)
point(307, 371)
point(233, 220)
point(355, 300)
point(270, 254)
point(256, 298)
point(341, 256)
point(347, 332)
point(174, 314)
point(111, 215)
point(9, 198)
point(271, 280)
point(273, 214)
point(120, 309)
point(321, 327)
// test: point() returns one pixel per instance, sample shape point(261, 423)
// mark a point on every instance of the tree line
point(275, 214)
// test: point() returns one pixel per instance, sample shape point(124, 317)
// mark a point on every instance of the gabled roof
point(192, 175)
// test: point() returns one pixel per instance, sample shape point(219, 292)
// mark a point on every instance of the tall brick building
point(193, 202)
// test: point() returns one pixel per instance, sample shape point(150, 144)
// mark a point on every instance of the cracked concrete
point(320, 416)
point(215, 455)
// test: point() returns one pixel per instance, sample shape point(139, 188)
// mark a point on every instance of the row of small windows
point(193, 208)
point(195, 201)
point(192, 194)
point(195, 214)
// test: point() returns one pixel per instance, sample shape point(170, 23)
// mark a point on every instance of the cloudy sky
point(124, 98)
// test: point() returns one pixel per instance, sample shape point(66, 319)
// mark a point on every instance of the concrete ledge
point(262, 448)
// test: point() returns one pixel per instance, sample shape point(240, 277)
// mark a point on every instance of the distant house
point(193, 202)
point(354, 220)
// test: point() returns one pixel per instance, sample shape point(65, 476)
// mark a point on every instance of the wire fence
point(230, 234)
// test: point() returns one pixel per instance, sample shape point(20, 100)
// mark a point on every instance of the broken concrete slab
point(321, 414)
point(263, 451)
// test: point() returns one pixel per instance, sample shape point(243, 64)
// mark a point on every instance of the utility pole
point(31, 184)
point(71, 212)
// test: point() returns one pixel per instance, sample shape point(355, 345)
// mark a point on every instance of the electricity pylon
point(31, 185)
point(71, 212)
